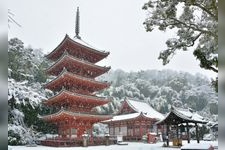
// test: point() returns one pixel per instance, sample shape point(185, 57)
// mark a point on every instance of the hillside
point(165, 88)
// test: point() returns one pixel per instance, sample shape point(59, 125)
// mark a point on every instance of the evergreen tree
point(196, 25)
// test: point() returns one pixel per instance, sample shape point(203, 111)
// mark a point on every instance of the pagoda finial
point(77, 24)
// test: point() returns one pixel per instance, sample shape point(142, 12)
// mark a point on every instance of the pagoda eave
point(67, 43)
point(74, 64)
point(64, 115)
point(51, 54)
point(66, 79)
point(65, 96)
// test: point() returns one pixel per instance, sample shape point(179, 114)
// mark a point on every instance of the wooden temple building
point(177, 124)
point(75, 86)
point(135, 119)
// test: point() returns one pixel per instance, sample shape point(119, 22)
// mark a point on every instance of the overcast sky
point(112, 25)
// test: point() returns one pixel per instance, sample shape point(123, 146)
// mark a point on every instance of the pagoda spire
point(77, 24)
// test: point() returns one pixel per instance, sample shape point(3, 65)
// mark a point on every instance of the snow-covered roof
point(185, 112)
point(196, 116)
point(82, 42)
point(184, 115)
point(76, 77)
point(123, 117)
point(145, 108)
point(141, 108)
point(78, 61)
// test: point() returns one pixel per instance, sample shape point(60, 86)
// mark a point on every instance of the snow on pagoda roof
point(145, 108)
point(66, 55)
point(65, 73)
point(77, 95)
point(82, 42)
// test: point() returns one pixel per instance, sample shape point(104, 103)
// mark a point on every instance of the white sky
point(113, 25)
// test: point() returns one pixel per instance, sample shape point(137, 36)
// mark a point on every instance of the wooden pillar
point(109, 128)
point(140, 130)
point(70, 127)
point(92, 138)
point(119, 127)
point(113, 129)
point(167, 135)
point(70, 130)
point(157, 129)
point(197, 134)
point(127, 128)
point(57, 128)
point(177, 130)
point(188, 138)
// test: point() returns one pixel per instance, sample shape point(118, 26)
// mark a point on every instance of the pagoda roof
point(83, 43)
point(142, 106)
point(67, 96)
point(64, 114)
point(79, 42)
point(70, 59)
point(73, 79)
point(178, 116)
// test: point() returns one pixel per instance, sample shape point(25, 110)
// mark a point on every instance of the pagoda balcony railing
point(64, 71)
point(66, 54)
point(80, 94)
point(81, 110)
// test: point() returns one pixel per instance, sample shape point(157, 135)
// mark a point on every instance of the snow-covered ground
point(130, 146)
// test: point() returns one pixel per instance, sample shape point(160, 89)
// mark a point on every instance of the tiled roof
point(145, 108)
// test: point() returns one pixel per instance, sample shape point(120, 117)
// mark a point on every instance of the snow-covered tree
point(26, 63)
point(196, 26)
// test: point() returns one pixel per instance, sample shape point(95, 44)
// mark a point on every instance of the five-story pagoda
point(75, 86)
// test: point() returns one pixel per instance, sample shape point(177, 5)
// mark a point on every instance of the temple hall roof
point(123, 117)
point(141, 108)
point(145, 108)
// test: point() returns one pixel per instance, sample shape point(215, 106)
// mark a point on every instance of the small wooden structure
point(135, 119)
point(179, 118)
point(151, 137)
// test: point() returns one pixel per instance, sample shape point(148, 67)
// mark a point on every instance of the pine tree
point(196, 26)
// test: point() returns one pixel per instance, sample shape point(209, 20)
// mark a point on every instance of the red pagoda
point(75, 87)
